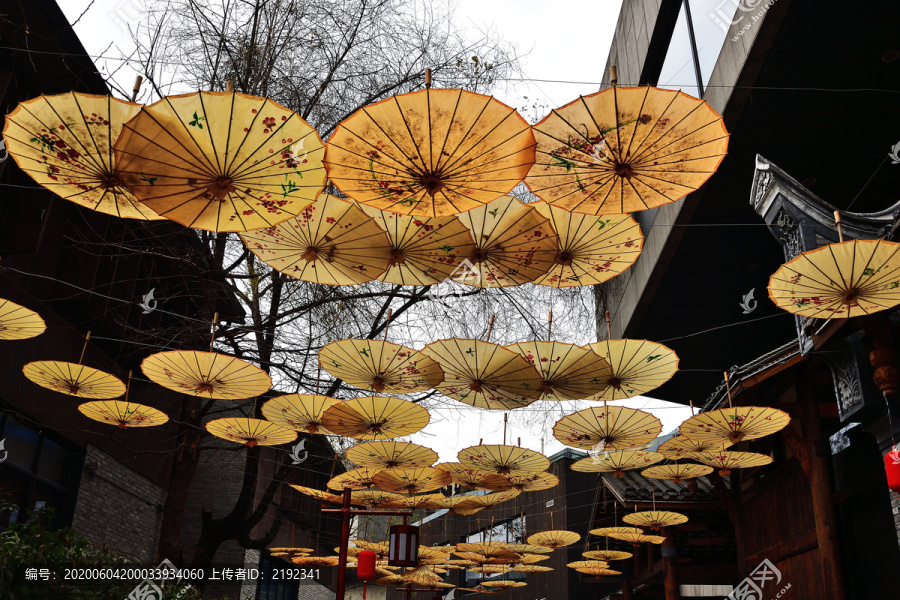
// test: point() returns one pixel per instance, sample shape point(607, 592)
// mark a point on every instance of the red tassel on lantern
point(892, 468)
point(365, 568)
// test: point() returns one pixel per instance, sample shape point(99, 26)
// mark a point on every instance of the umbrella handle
point(837, 221)
point(549, 325)
point(613, 75)
point(728, 388)
point(487, 337)
point(137, 88)
point(212, 338)
point(427, 79)
point(86, 339)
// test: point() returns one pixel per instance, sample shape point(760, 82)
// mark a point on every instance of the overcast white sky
point(561, 42)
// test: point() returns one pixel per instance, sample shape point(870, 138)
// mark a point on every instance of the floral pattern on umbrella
point(607, 428)
point(123, 414)
point(375, 417)
point(568, 372)
point(380, 366)
point(18, 322)
point(250, 432)
point(206, 374)
point(300, 412)
point(74, 379)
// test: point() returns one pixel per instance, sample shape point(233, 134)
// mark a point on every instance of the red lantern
point(892, 468)
point(365, 568)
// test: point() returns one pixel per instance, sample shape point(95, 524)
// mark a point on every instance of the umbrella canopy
point(611, 427)
point(528, 559)
point(355, 479)
point(207, 374)
point(680, 446)
point(608, 531)
point(485, 375)
point(503, 460)
point(18, 322)
point(623, 150)
point(430, 153)
point(319, 494)
point(556, 538)
point(316, 561)
point(676, 471)
point(638, 367)
point(412, 481)
point(380, 366)
point(598, 571)
point(590, 249)
point(391, 455)
point(424, 251)
point(221, 161)
point(531, 569)
point(300, 412)
point(568, 372)
point(413, 502)
point(490, 569)
point(638, 539)
point(617, 462)
point(74, 379)
point(490, 500)
point(655, 519)
point(374, 497)
point(454, 504)
point(725, 461)
point(606, 555)
point(839, 281)
point(331, 242)
point(123, 414)
point(473, 478)
point(587, 564)
point(504, 584)
point(250, 432)
point(735, 424)
point(478, 589)
point(487, 549)
point(65, 142)
point(531, 482)
point(375, 417)
point(528, 549)
point(514, 244)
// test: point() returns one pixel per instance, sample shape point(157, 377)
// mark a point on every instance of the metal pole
point(345, 541)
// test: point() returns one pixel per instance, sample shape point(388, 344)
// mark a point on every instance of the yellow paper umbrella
point(623, 150)
point(331, 242)
point(374, 497)
point(207, 374)
point(638, 538)
point(355, 479)
point(251, 432)
point(608, 531)
point(430, 153)
point(528, 559)
point(531, 569)
point(681, 446)
point(613, 427)
point(617, 462)
point(380, 548)
point(523, 549)
point(413, 502)
point(65, 142)
point(316, 561)
point(655, 519)
point(484, 375)
point(380, 366)
point(606, 555)
point(391, 455)
point(412, 481)
point(490, 500)
point(291, 551)
point(839, 281)
point(123, 414)
point(556, 538)
point(424, 251)
point(424, 575)
point(375, 417)
point(504, 584)
point(466, 510)
point(300, 412)
point(735, 424)
point(725, 461)
point(319, 494)
point(587, 564)
point(568, 372)
point(473, 478)
point(591, 249)
point(18, 322)
point(599, 572)
point(503, 460)
point(478, 589)
point(221, 161)
point(491, 569)
point(455, 504)
point(638, 367)
point(514, 244)
point(474, 557)
point(676, 471)
point(74, 379)
point(531, 482)
point(487, 549)
point(389, 580)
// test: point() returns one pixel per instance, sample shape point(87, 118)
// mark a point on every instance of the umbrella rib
point(464, 137)
point(86, 152)
point(409, 132)
point(672, 130)
point(643, 143)
point(640, 112)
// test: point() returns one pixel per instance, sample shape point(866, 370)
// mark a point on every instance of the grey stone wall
point(117, 507)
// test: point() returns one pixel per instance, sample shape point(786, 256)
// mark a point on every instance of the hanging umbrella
point(380, 366)
point(318, 494)
point(530, 482)
point(617, 462)
point(638, 538)
point(374, 497)
point(638, 367)
point(606, 555)
point(587, 564)
point(123, 414)
point(424, 575)
point(380, 548)
point(839, 281)
point(486, 549)
point(389, 580)
point(301, 412)
point(489, 501)
point(430, 153)
point(391, 455)
point(503, 460)
point(412, 481)
point(531, 569)
point(527, 559)
point(591, 249)
point(251, 432)
point(207, 374)
point(65, 142)
point(316, 561)
point(478, 589)
point(331, 242)
point(725, 461)
point(355, 479)
point(221, 161)
point(375, 417)
point(735, 424)
point(556, 538)
point(514, 244)
point(676, 471)
point(413, 502)
point(681, 446)
point(624, 150)
point(568, 372)
point(608, 531)
point(491, 569)
point(424, 251)
point(18, 322)
point(484, 375)
point(290, 552)
point(466, 510)
point(599, 572)
point(613, 427)
point(523, 549)
point(473, 478)
point(655, 519)
point(455, 504)
point(505, 584)
point(74, 379)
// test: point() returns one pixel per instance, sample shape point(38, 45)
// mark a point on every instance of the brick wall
point(315, 591)
point(117, 507)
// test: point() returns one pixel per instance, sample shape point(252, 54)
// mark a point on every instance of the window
point(269, 589)
point(679, 69)
point(711, 20)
